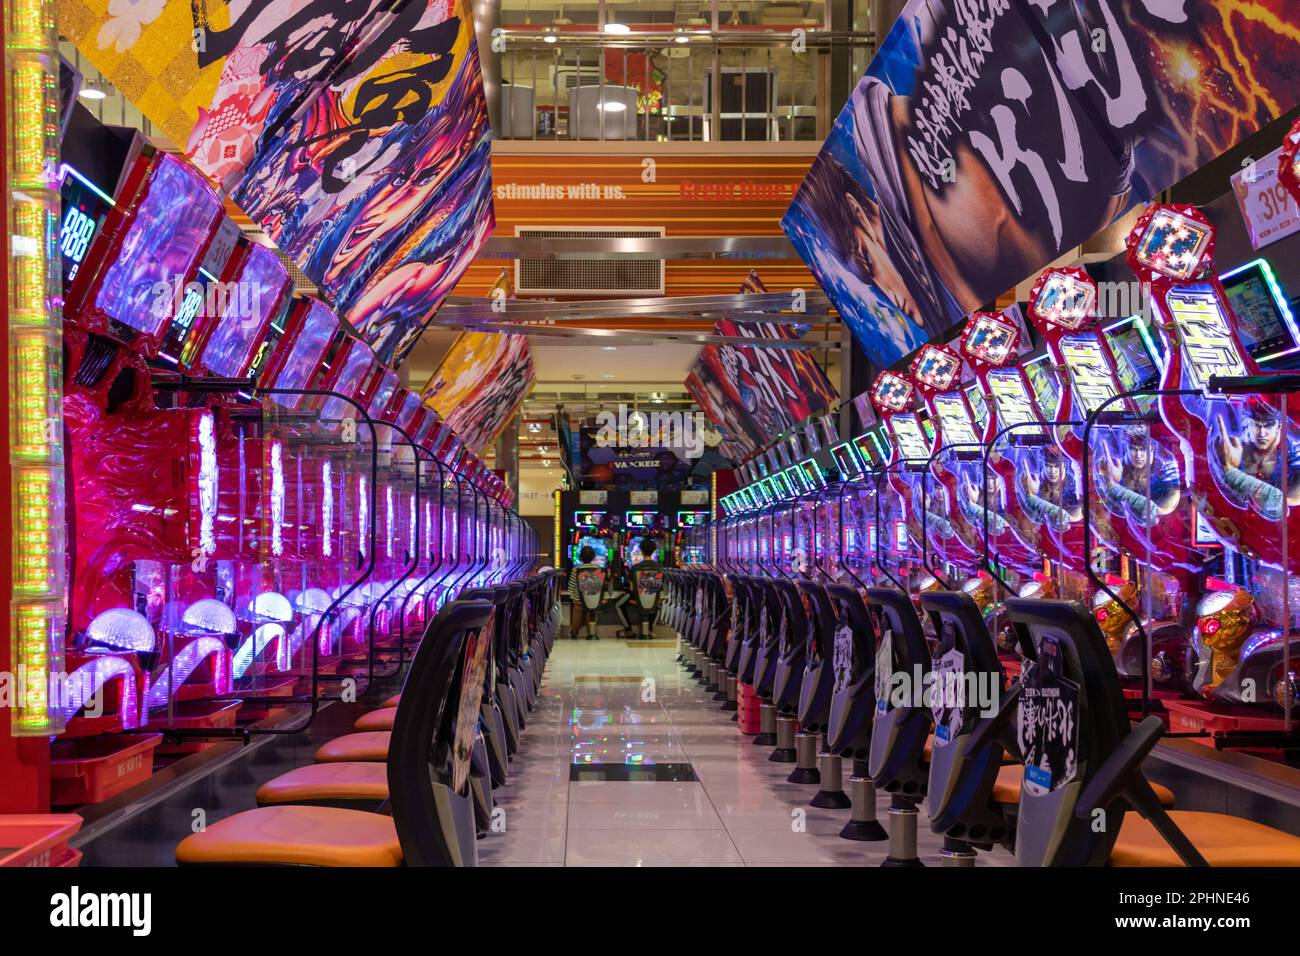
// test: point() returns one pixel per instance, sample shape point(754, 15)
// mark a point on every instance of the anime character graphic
point(1248, 459)
point(987, 505)
point(1139, 480)
point(1050, 493)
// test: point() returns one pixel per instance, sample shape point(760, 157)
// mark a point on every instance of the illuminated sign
point(588, 519)
point(892, 392)
point(1015, 407)
point(1090, 372)
point(327, 509)
point(207, 483)
point(935, 368)
point(1173, 244)
point(954, 416)
point(990, 338)
point(277, 498)
point(1065, 300)
point(911, 439)
point(1206, 339)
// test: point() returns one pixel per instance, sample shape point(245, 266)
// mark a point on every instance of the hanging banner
point(988, 137)
point(480, 384)
point(353, 131)
point(758, 392)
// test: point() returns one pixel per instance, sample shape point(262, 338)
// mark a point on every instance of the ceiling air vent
point(604, 277)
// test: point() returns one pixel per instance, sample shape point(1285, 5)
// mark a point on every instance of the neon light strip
point(38, 610)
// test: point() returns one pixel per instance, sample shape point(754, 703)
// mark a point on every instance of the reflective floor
point(628, 762)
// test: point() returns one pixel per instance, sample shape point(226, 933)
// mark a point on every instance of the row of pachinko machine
point(1144, 467)
point(260, 517)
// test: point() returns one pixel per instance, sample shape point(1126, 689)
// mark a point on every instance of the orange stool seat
point(1223, 840)
point(295, 836)
point(392, 701)
point(381, 719)
point(372, 745)
point(1007, 787)
point(320, 782)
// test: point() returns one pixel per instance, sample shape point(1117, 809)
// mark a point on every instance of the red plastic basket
point(93, 769)
point(37, 839)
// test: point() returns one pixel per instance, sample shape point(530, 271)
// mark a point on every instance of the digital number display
point(84, 209)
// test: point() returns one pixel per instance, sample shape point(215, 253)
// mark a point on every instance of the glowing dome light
point(123, 629)
point(313, 601)
point(210, 615)
point(272, 605)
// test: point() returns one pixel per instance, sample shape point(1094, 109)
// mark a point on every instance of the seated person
point(647, 563)
point(582, 616)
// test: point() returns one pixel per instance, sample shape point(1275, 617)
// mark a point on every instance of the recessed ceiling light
point(609, 348)
point(549, 38)
point(615, 27)
point(90, 93)
point(682, 39)
point(613, 106)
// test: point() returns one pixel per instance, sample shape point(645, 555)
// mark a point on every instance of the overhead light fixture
point(681, 38)
point(610, 348)
point(614, 26)
point(549, 38)
point(91, 93)
point(613, 106)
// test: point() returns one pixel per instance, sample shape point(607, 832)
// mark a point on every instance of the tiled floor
point(628, 712)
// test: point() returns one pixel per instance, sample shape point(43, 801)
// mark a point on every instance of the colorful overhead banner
point(990, 136)
point(480, 384)
point(753, 394)
point(353, 131)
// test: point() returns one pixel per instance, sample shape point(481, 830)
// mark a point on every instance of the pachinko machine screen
point(692, 519)
point(847, 461)
point(261, 285)
point(597, 543)
point(955, 420)
point(1264, 318)
point(160, 247)
point(357, 365)
point(812, 475)
point(308, 350)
